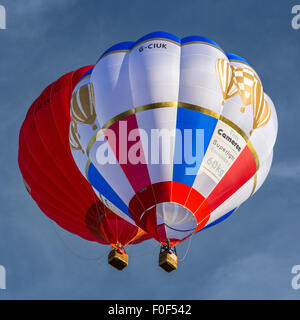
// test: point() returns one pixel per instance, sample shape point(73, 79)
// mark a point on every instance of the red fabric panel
point(54, 181)
point(162, 191)
point(180, 192)
point(239, 173)
point(137, 174)
point(111, 228)
point(142, 206)
point(202, 215)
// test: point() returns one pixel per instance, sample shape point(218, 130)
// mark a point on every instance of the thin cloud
point(286, 170)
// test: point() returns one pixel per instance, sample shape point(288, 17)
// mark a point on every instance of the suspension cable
point(80, 256)
point(187, 249)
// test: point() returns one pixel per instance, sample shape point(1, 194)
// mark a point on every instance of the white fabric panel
point(85, 131)
point(154, 73)
point(80, 159)
point(174, 234)
point(178, 221)
point(204, 184)
point(264, 171)
point(163, 119)
point(110, 78)
point(198, 79)
point(231, 111)
point(263, 138)
point(232, 202)
point(243, 193)
point(176, 216)
point(113, 208)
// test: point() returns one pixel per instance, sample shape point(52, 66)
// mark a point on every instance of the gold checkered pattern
point(244, 79)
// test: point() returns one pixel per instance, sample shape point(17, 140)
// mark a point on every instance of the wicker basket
point(168, 261)
point(118, 260)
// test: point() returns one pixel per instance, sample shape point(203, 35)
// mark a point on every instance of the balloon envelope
point(174, 134)
point(52, 177)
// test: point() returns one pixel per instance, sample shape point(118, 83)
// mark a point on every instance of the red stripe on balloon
point(149, 222)
point(52, 177)
point(40, 184)
point(202, 215)
point(239, 173)
point(42, 157)
point(143, 206)
point(108, 226)
point(52, 201)
point(162, 191)
point(180, 192)
point(162, 234)
point(136, 173)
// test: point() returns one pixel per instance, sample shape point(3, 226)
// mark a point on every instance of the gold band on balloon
point(87, 168)
point(254, 185)
point(172, 104)
point(116, 51)
point(127, 113)
point(203, 42)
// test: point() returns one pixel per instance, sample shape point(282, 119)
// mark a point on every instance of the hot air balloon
point(172, 133)
point(54, 181)
point(163, 137)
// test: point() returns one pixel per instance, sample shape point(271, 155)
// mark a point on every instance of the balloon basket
point(168, 261)
point(118, 260)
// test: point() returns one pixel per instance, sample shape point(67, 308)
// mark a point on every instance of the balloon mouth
point(174, 221)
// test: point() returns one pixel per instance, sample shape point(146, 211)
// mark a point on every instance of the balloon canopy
point(163, 137)
point(52, 177)
point(174, 134)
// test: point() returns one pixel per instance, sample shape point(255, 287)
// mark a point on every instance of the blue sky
point(248, 256)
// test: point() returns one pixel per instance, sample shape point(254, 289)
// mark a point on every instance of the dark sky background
point(248, 256)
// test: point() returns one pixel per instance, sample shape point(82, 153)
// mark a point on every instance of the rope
point(80, 256)
point(99, 258)
point(187, 249)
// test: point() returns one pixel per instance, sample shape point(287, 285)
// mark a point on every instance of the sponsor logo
point(229, 139)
